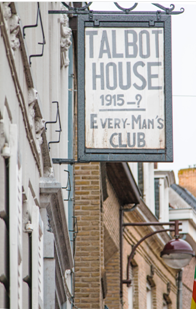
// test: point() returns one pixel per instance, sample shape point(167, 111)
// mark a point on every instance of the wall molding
point(34, 138)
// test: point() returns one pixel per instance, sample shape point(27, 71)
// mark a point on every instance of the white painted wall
point(148, 170)
point(13, 218)
point(134, 169)
point(51, 84)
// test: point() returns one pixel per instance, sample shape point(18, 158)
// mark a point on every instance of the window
point(130, 289)
point(166, 299)
point(156, 193)
point(148, 296)
point(140, 178)
point(165, 306)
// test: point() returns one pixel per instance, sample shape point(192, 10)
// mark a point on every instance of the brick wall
point(186, 297)
point(187, 179)
point(188, 279)
point(188, 274)
point(111, 211)
point(113, 281)
point(147, 254)
point(97, 243)
point(111, 208)
point(88, 242)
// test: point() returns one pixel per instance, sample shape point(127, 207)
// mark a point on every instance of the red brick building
point(187, 179)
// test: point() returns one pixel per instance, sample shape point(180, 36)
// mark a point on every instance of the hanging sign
point(125, 111)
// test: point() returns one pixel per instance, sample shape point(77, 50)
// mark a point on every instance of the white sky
point(183, 78)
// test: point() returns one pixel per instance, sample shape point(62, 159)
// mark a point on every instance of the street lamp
point(177, 253)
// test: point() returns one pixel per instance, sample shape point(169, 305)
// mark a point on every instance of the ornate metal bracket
point(169, 11)
point(85, 10)
point(174, 229)
point(67, 161)
point(43, 36)
point(57, 118)
point(125, 10)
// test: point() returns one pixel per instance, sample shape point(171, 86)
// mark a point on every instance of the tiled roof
point(185, 195)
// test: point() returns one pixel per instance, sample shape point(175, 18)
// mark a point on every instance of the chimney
point(187, 179)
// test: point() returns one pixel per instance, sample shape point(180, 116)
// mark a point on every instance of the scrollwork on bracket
point(126, 10)
point(169, 11)
point(65, 39)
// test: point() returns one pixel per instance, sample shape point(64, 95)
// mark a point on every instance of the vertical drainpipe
point(179, 292)
point(70, 142)
point(71, 155)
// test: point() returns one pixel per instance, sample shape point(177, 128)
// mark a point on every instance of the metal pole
point(176, 229)
point(179, 293)
point(128, 281)
point(171, 223)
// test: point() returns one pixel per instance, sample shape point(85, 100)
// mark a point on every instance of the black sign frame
point(130, 155)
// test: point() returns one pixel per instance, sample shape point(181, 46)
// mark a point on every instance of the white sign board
point(124, 88)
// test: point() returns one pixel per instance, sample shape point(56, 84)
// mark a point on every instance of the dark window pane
point(156, 192)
